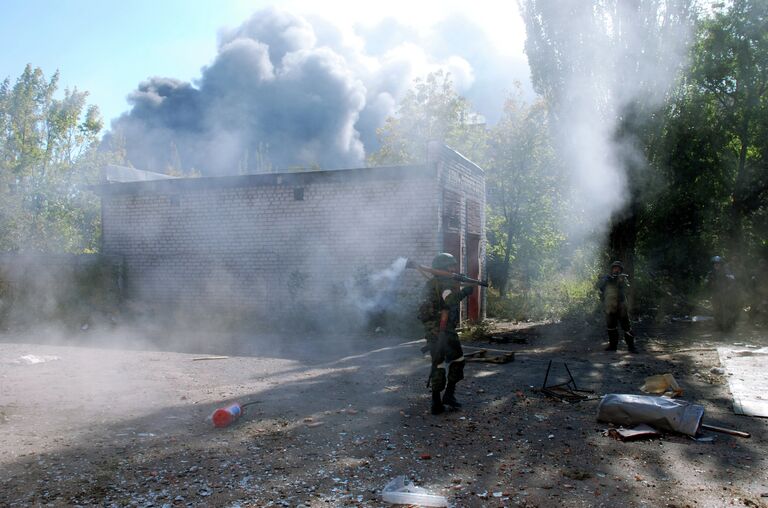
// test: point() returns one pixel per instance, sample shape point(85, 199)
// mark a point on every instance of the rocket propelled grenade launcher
point(461, 278)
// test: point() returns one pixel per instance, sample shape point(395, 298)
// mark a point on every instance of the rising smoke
point(605, 68)
point(287, 91)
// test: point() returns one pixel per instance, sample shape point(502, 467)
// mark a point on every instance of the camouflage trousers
point(447, 360)
point(612, 321)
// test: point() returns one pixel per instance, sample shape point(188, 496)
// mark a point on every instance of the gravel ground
point(116, 421)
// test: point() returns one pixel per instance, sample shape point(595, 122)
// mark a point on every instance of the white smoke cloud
point(286, 90)
point(615, 65)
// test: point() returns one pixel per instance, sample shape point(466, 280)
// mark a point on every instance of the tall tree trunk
point(739, 189)
point(504, 283)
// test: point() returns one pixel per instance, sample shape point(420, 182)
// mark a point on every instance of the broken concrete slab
point(747, 379)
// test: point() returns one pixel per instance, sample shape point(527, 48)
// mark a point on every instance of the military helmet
point(444, 261)
point(717, 259)
point(619, 264)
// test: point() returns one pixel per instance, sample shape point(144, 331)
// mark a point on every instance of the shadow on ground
point(333, 423)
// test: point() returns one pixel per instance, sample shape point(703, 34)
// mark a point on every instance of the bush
point(69, 289)
point(554, 298)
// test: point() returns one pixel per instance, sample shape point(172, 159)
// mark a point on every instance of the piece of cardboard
point(641, 431)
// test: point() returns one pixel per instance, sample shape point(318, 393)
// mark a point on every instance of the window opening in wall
point(298, 194)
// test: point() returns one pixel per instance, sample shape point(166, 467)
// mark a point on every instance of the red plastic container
point(226, 416)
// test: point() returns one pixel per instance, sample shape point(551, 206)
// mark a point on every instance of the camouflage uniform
point(444, 347)
point(613, 294)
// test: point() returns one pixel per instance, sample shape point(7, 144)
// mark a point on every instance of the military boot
point(613, 340)
point(449, 398)
point(630, 340)
point(437, 403)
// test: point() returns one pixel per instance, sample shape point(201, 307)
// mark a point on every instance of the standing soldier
point(440, 314)
point(613, 294)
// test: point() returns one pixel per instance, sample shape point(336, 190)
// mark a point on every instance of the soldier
point(612, 293)
point(440, 315)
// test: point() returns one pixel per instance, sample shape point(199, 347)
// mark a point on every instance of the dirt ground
point(119, 422)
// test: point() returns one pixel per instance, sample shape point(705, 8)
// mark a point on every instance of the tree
point(731, 67)
point(48, 153)
point(524, 192)
point(608, 65)
point(431, 111)
point(23, 119)
point(711, 155)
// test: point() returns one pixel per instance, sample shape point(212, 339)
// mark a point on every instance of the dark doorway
point(473, 270)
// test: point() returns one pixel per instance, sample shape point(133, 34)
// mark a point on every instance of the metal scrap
point(483, 356)
point(566, 392)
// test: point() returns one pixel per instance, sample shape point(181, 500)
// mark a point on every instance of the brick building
point(268, 242)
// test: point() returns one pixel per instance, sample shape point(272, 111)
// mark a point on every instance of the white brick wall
point(246, 242)
point(247, 246)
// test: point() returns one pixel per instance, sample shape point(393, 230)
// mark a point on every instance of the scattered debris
point(482, 356)
point(372, 425)
point(660, 412)
point(719, 371)
point(747, 379)
point(566, 392)
point(402, 491)
point(226, 416)
point(692, 319)
point(575, 474)
point(662, 384)
point(723, 430)
point(505, 338)
point(34, 359)
point(641, 431)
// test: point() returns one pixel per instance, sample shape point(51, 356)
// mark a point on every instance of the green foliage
point(550, 298)
point(703, 186)
point(551, 295)
point(431, 111)
point(711, 159)
point(64, 288)
point(730, 77)
point(48, 156)
point(475, 331)
point(699, 188)
point(525, 194)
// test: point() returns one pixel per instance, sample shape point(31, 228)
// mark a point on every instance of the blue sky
point(108, 47)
